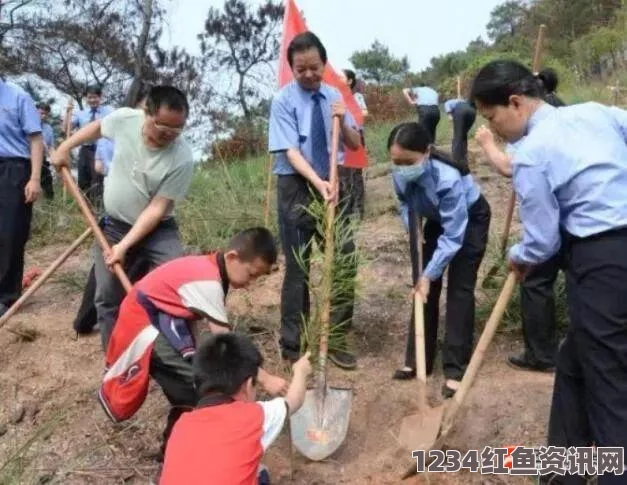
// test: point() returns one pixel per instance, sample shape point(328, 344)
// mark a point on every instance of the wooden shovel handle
point(479, 353)
point(421, 363)
point(42, 279)
point(329, 242)
point(93, 224)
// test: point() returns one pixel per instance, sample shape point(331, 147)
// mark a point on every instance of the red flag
point(294, 24)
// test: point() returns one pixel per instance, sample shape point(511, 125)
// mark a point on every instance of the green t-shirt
point(139, 173)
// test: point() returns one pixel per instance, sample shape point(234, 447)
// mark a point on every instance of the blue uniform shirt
point(426, 96)
point(84, 116)
point(441, 194)
point(18, 119)
point(449, 106)
point(48, 134)
point(104, 153)
point(570, 174)
point(290, 124)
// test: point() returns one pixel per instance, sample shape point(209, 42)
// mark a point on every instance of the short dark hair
point(498, 80)
point(303, 42)
point(352, 78)
point(410, 136)
point(253, 243)
point(224, 362)
point(94, 89)
point(44, 107)
point(169, 96)
point(548, 78)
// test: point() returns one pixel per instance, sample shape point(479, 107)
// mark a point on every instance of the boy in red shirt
point(167, 314)
point(224, 439)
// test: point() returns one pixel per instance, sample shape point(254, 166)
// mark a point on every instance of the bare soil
point(65, 437)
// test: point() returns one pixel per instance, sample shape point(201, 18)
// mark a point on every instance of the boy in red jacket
point(224, 439)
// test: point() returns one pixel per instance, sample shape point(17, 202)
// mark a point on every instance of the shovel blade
point(420, 431)
point(320, 425)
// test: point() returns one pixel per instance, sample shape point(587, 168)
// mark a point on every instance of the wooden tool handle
point(421, 363)
point(479, 353)
point(459, 87)
point(538, 52)
point(93, 224)
point(329, 241)
point(45, 275)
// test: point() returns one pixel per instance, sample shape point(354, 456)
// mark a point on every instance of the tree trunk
point(140, 55)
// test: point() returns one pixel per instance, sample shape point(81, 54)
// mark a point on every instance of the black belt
point(91, 148)
point(14, 160)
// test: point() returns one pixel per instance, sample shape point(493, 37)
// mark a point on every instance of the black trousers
point(429, 116)
point(46, 180)
point(15, 219)
point(590, 393)
point(460, 298)
point(90, 182)
point(352, 184)
point(464, 117)
point(298, 229)
point(537, 309)
point(86, 317)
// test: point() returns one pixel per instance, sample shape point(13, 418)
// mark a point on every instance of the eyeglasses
point(168, 130)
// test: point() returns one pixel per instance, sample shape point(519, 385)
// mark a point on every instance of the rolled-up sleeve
point(539, 214)
point(454, 220)
point(29, 116)
point(283, 127)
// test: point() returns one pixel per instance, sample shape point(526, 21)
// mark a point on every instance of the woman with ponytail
point(570, 173)
point(428, 183)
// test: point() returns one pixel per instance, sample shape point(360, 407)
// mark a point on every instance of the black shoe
point(522, 362)
point(447, 392)
point(404, 374)
point(289, 356)
point(343, 359)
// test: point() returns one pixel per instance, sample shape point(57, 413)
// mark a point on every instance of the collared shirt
point(84, 117)
point(48, 134)
point(441, 194)
point(290, 124)
point(104, 153)
point(426, 96)
point(450, 105)
point(19, 118)
point(570, 174)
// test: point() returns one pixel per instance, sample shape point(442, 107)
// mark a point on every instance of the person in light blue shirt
point(104, 156)
point(431, 185)
point(48, 136)
point(463, 115)
point(426, 100)
point(300, 140)
point(570, 175)
point(21, 156)
point(90, 181)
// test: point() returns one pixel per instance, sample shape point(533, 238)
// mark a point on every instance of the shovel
point(93, 224)
point(419, 431)
point(447, 416)
point(319, 427)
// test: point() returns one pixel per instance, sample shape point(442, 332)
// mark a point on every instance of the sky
point(420, 29)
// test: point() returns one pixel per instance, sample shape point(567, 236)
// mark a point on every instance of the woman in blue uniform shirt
point(570, 174)
point(430, 184)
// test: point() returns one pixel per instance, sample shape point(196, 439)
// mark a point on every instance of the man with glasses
point(152, 168)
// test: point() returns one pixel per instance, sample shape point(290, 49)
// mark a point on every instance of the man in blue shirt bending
point(426, 100)
point(300, 138)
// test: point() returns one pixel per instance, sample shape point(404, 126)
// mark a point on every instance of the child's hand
point(484, 136)
point(274, 385)
point(303, 365)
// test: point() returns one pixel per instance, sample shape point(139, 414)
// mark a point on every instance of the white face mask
point(411, 173)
